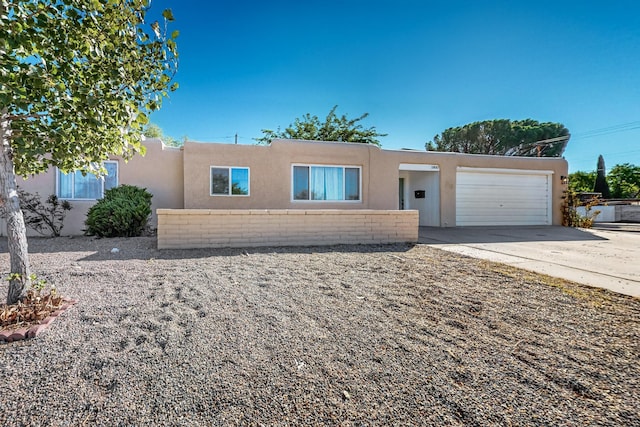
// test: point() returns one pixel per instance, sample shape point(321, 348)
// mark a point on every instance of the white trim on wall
point(418, 167)
point(507, 171)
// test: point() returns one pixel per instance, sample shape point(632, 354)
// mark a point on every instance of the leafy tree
point(77, 81)
point(152, 130)
point(582, 182)
point(601, 185)
point(333, 128)
point(504, 137)
point(624, 181)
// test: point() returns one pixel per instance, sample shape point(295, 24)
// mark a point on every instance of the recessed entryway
point(419, 189)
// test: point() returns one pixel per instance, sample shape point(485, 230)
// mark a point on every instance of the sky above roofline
point(417, 68)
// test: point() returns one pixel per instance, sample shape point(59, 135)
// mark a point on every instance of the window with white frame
point(229, 181)
point(75, 185)
point(326, 183)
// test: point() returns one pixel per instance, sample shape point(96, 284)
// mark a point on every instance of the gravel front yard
point(347, 335)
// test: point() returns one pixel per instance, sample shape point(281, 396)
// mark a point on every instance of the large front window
point(75, 185)
point(228, 181)
point(328, 183)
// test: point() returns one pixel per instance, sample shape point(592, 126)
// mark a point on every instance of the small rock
point(346, 395)
point(115, 250)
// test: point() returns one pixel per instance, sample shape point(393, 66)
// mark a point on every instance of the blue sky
point(417, 67)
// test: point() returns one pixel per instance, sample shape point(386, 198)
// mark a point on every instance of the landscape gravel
point(345, 335)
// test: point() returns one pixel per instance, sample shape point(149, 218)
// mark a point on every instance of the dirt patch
point(346, 335)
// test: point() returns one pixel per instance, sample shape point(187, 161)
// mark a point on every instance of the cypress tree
point(601, 185)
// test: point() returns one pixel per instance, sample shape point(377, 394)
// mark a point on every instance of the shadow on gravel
point(144, 248)
point(173, 254)
point(505, 234)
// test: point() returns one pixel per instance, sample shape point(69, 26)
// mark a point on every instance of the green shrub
point(123, 212)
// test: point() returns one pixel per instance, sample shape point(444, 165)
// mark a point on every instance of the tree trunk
point(19, 280)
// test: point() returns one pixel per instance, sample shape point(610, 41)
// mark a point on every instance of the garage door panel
point(500, 198)
point(500, 210)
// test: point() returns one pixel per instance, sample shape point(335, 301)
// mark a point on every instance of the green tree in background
point(152, 130)
point(504, 137)
point(78, 79)
point(601, 186)
point(624, 181)
point(582, 182)
point(333, 128)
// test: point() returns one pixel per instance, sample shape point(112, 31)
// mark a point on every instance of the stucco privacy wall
point(271, 174)
point(206, 228)
point(159, 171)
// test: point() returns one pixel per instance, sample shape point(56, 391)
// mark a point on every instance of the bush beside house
point(123, 212)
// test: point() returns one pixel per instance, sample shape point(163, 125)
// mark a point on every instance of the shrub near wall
point(123, 212)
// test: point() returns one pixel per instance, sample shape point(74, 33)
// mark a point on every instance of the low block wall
point(212, 228)
point(607, 213)
point(613, 213)
point(629, 213)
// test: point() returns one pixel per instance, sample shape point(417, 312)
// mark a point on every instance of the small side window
point(229, 181)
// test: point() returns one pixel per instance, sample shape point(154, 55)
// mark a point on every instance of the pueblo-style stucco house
point(310, 192)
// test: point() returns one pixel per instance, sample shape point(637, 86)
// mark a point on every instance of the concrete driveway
point(604, 258)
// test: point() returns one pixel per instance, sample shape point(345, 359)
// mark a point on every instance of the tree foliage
point(582, 182)
point(78, 79)
point(504, 137)
point(601, 185)
point(152, 130)
point(624, 181)
point(333, 128)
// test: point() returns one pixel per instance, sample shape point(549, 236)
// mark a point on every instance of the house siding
point(159, 171)
point(180, 178)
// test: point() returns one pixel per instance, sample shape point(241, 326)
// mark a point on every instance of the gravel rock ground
point(345, 335)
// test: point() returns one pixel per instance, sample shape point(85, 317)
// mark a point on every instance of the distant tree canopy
point(333, 128)
point(504, 137)
point(152, 130)
point(582, 182)
point(623, 181)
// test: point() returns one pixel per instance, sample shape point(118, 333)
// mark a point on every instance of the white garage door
point(503, 197)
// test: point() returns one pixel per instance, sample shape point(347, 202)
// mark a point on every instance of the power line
point(231, 137)
point(613, 127)
point(607, 155)
point(623, 127)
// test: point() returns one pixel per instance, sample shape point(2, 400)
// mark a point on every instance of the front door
point(401, 194)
